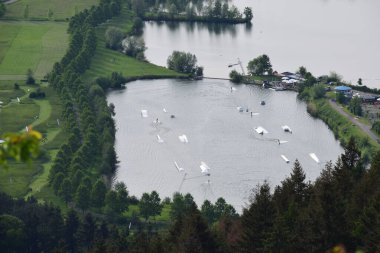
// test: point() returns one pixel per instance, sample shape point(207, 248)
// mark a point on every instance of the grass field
point(107, 61)
point(34, 45)
point(16, 179)
point(40, 8)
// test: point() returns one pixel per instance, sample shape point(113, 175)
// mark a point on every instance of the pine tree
point(82, 197)
point(257, 221)
point(65, 190)
point(98, 194)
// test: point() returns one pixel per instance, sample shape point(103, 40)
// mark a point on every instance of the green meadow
point(107, 61)
point(39, 9)
point(30, 45)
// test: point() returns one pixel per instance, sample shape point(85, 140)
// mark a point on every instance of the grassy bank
point(39, 9)
point(107, 61)
point(30, 45)
point(342, 127)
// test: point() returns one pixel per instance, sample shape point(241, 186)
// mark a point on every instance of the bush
point(236, 77)
point(114, 37)
point(184, 63)
point(134, 47)
point(38, 94)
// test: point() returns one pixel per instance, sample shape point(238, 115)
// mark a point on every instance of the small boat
point(314, 157)
point(240, 109)
point(285, 159)
point(262, 102)
point(172, 116)
point(287, 129)
point(261, 130)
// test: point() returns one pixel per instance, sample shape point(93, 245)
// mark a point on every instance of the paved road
point(364, 127)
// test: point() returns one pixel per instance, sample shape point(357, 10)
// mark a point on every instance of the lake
point(218, 134)
point(322, 35)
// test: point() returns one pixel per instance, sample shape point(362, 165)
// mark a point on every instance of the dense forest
point(340, 210)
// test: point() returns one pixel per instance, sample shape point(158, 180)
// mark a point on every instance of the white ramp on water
point(183, 138)
point(178, 168)
point(159, 139)
point(285, 159)
point(204, 168)
point(286, 128)
point(261, 130)
point(144, 113)
point(255, 113)
point(314, 157)
point(282, 142)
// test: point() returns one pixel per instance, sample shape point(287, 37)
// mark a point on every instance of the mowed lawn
point(107, 61)
point(61, 9)
point(34, 45)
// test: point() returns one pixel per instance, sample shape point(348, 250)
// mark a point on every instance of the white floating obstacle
point(282, 142)
point(205, 169)
point(144, 113)
point(261, 130)
point(18, 99)
point(177, 167)
point(183, 138)
point(159, 139)
point(285, 159)
point(164, 110)
point(286, 129)
point(314, 157)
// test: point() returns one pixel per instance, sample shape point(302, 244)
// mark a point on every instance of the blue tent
point(343, 89)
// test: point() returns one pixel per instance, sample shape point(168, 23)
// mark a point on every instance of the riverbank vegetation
point(315, 94)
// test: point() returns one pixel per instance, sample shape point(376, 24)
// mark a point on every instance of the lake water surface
point(322, 35)
point(218, 134)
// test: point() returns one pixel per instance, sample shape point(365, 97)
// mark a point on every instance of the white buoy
point(18, 99)
point(314, 157)
point(285, 159)
point(164, 110)
point(27, 128)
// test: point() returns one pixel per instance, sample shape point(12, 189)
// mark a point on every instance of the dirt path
point(10, 1)
point(364, 127)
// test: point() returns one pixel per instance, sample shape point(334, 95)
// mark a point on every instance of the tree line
point(190, 10)
point(88, 154)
